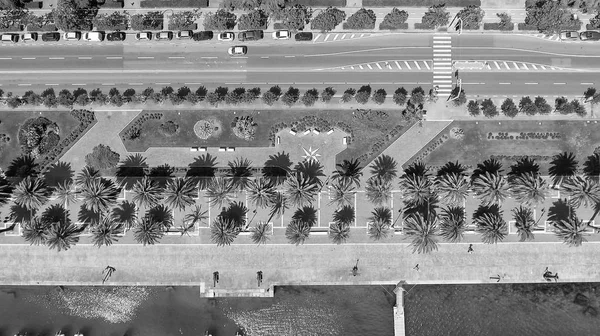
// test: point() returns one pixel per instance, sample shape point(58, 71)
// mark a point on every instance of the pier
point(399, 323)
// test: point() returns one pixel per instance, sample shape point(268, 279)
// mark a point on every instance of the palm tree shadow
point(160, 214)
point(311, 169)
point(59, 173)
point(20, 214)
point(162, 174)
point(236, 212)
point(86, 215)
point(560, 210)
point(126, 212)
point(56, 213)
point(277, 167)
point(203, 170)
point(131, 170)
point(493, 209)
point(20, 168)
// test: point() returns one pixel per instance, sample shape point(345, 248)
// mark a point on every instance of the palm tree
point(591, 167)
point(416, 189)
point(378, 229)
point(239, 173)
point(491, 166)
point(342, 193)
point(203, 170)
point(423, 233)
point(297, 232)
point(146, 192)
point(279, 204)
point(524, 222)
point(581, 191)
point(492, 228)
point(306, 215)
point(277, 168)
point(66, 194)
point(453, 224)
point(452, 188)
point(260, 191)
point(131, 170)
point(99, 195)
point(378, 190)
point(126, 214)
point(344, 215)
point(62, 235)
point(381, 214)
point(384, 167)
point(261, 233)
point(301, 189)
point(223, 231)
point(190, 220)
point(417, 168)
point(31, 193)
point(562, 165)
point(106, 232)
point(339, 232)
point(35, 231)
point(490, 188)
point(161, 215)
point(524, 166)
point(86, 175)
point(180, 193)
point(571, 231)
point(451, 168)
point(219, 192)
point(148, 232)
point(528, 188)
point(236, 212)
point(349, 172)
point(311, 169)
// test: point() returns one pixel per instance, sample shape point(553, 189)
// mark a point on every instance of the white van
point(9, 38)
point(94, 36)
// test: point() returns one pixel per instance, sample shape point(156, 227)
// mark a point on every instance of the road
point(517, 64)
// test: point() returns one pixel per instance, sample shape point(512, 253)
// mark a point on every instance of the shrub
point(147, 21)
point(594, 22)
point(327, 94)
point(396, 19)
point(184, 20)
point(509, 108)
point(489, 108)
point(362, 19)
point(578, 108)
point(417, 96)
point(379, 96)
point(269, 98)
point(328, 19)
point(244, 127)
point(542, 105)
point(102, 157)
point(436, 16)
point(256, 19)
point(363, 94)
point(291, 96)
point(310, 97)
point(213, 99)
point(295, 17)
point(33, 136)
point(400, 96)
point(471, 17)
point(113, 21)
point(220, 20)
point(550, 17)
point(348, 95)
point(473, 108)
point(462, 97)
point(169, 128)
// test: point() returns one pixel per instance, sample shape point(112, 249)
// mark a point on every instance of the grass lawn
point(11, 121)
point(578, 137)
point(372, 132)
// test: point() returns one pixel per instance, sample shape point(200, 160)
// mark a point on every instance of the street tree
point(256, 19)
point(328, 19)
point(471, 17)
point(400, 96)
point(362, 19)
point(68, 16)
point(436, 16)
point(220, 20)
point(294, 18)
point(184, 20)
point(542, 105)
point(489, 108)
point(509, 108)
point(473, 108)
point(395, 19)
point(551, 17)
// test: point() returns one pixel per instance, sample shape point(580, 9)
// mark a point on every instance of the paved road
point(387, 60)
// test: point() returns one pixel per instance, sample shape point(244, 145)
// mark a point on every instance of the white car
point(145, 36)
point(282, 35)
point(72, 36)
point(226, 36)
point(185, 34)
point(238, 50)
point(94, 36)
point(29, 37)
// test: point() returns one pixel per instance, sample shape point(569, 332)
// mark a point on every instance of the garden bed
point(172, 3)
point(419, 3)
point(14, 28)
point(392, 27)
point(496, 26)
point(321, 3)
point(423, 26)
point(370, 134)
point(45, 28)
point(11, 121)
point(578, 137)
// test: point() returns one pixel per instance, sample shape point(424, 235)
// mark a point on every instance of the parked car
point(569, 35)
point(8, 37)
point(116, 36)
point(143, 36)
point(226, 36)
point(238, 50)
point(282, 35)
point(185, 34)
point(203, 36)
point(251, 35)
point(95, 36)
point(164, 36)
point(590, 35)
point(304, 36)
point(51, 37)
point(29, 37)
point(72, 36)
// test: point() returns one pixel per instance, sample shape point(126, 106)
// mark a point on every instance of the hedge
point(321, 3)
point(496, 26)
point(46, 28)
point(279, 26)
point(419, 3)
point(11, 28)
point(590, 26)
point(33, 5)
point(112, 4)
point(172, 3)
point(390, 27)
point(523, 26)
point(193, 26)
point(423, 26)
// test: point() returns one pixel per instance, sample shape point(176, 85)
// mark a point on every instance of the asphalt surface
point(516, 64)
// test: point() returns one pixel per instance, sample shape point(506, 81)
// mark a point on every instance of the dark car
point(51, 37)
point(116, 36)
point(203, 36)
point(304, 36)
point(590, 35)
point(251, 35)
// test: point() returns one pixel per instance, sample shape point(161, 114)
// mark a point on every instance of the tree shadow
point(162, 174)
point(59, 173)
point(277, 168)
point(235, 212)
point(55, 213)
point(87, 216)
point(160, 214)
point(493, 209)
point(312, 169)
point(427, 209)
point(6, 190)
point(20, 214)
point(560, 210)
point(203, 170)
point(20, 168)
point(126, 212)
point(307, 214)
point(131, 170)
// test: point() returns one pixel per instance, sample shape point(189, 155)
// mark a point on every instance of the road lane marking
point(379, 66)
point(24, 84)
point(525, 67)
point(145, 57)
point(242, 57)
point(496, 64)
point(106, 84)
point(78, 84)
point(351, 67)
point(211, 57)
point(201, 83)
point(370, 67)
point(5, 58)
point(343, 36)
point(534, 66)
point(407, 65)
point(506, 65)
point(176, 57)
point(336, 37)
point(114, 57)
point(531, 83)
point(162, 83)
point(361, 35)
point(135, 83)
point(504, 83)
point(352, 36)
point(82, 57)
point(360, 66)
point(264, 56)
point(317, 37)
point(56, 58)
point(327, 37)
point(398, 65)
point(560, 83)
point(28, 58)
point(427, 65)
point(543, 67)
point(51, 84)
point(417, 64)
point(587, 83)
point(289, 56)
point(515, 65)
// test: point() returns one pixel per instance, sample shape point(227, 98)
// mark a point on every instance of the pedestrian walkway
point(442, 64)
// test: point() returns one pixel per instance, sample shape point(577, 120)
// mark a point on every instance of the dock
point(399, 323)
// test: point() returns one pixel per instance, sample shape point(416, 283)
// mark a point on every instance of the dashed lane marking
point(176, 57)
point(114, 57)
point(56, 58)
point(82, 57)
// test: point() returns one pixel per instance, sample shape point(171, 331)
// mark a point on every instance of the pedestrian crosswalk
point(332, 37)
point(442, 64)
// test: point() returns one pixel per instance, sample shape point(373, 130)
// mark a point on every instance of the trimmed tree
point(488, 108)
point(396, 19)
point(379, 96)
point(362, 19)
point(220, 20)
point(509, 108)
point(400, 96)
point(102, 157)
point(310, 97)
point(473, 108)
point(328, 94)
point(328, 19)
point(363, 94)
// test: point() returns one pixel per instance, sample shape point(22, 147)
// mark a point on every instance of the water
point(502, 309)
point(153, 311)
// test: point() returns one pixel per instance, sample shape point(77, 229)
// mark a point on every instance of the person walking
point(355, 268)
point(109, 271)
point(416, 268)
point(259, 277)
point(470, 249)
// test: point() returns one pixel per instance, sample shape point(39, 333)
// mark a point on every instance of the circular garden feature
point(37, 136)
point(207, 128)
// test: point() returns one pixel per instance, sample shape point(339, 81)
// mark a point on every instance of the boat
point(60, 333)
point(21, 333)
point(206, 333)
point(78, 334)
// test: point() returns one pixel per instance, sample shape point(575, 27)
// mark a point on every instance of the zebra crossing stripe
point(417, 64)
point(379, 66)
point(534, 66)
point(496, 64)
point(427, 65)
point(407, 65)
point(343, 36)
point(442, 37)
point(525, 67)
point(398, 65)
point(370, 67)
point(336, 37)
